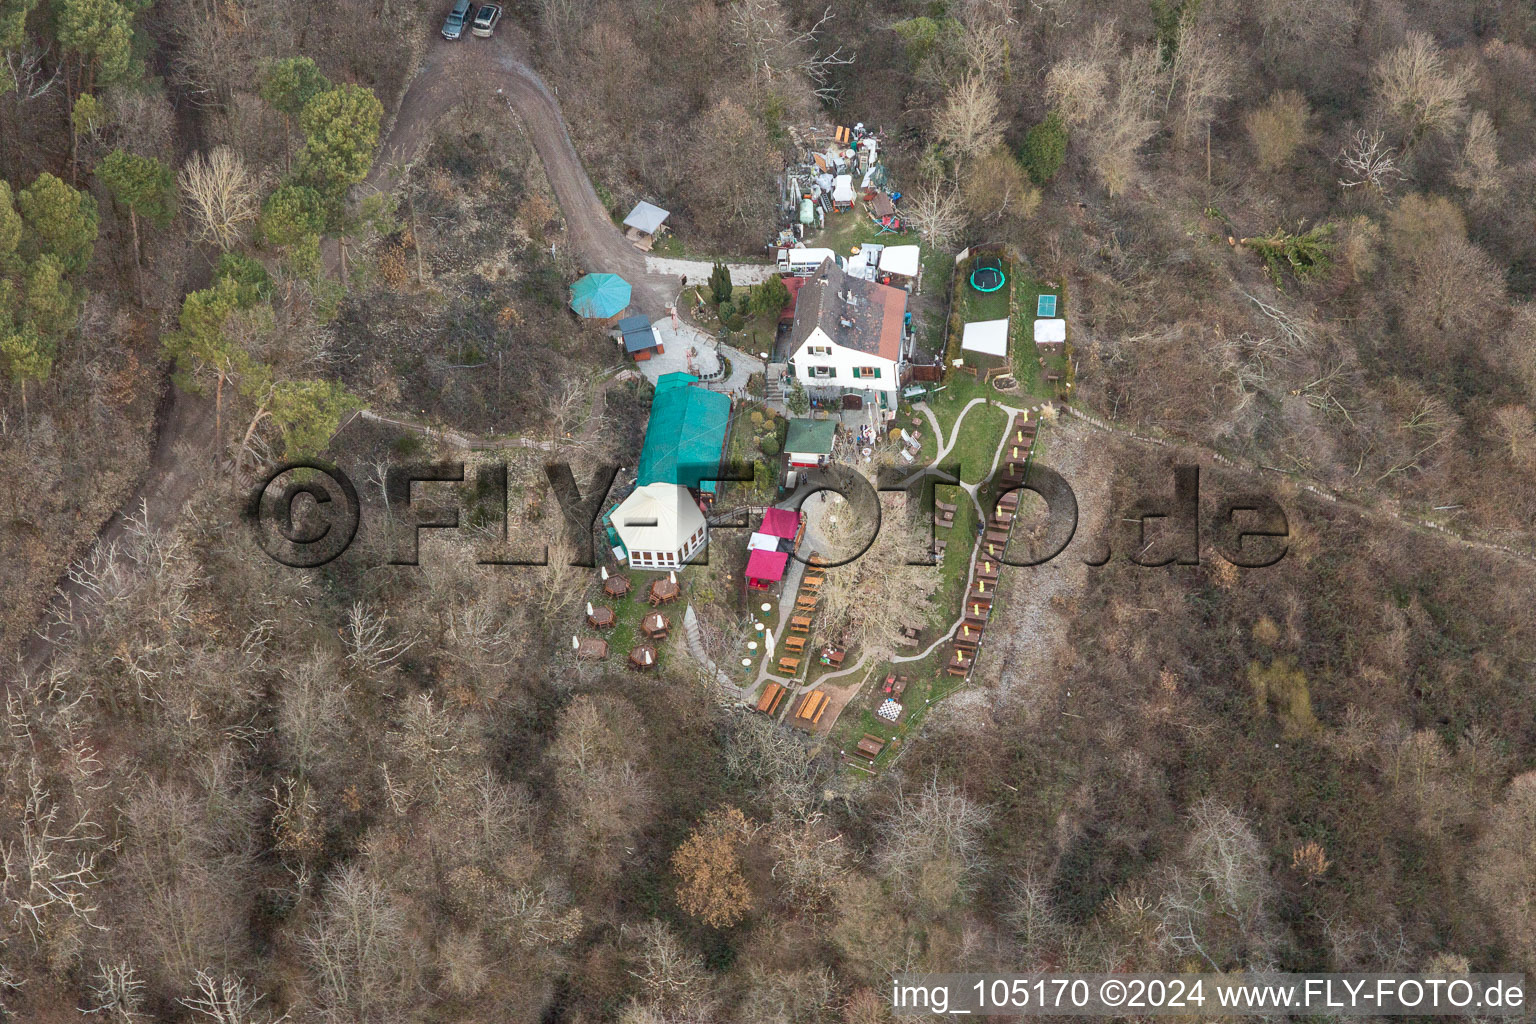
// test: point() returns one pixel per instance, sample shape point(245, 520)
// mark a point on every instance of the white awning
point(1050, 332)
point(900, 259)
point(989, 337)
point(764, 542)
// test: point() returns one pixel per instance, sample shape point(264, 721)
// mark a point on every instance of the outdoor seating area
point(615, 586)
point(771, 698)
point(590, 648)
point(663, 591)
point(600, 617)
point(655, 626)
point(642, 658)
point(812, 706)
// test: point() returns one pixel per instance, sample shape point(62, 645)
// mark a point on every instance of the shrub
point(769, 444)
point(1044, 149)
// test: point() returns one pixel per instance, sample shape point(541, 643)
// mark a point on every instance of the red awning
point(781, 522)
point(766, 566)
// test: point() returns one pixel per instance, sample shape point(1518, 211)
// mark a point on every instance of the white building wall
point(820, 351)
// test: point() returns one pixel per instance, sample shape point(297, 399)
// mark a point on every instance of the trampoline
point(987, 275)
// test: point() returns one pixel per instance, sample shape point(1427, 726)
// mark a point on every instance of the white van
point(804, 262)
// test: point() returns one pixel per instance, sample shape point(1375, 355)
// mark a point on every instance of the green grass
point(926, 682)
point(955, 563)
point(980, 433)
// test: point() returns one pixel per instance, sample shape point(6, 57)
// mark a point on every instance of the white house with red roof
point(849, 335)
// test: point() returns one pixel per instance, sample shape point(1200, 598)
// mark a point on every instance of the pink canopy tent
point(781, 522)
point(765, 568)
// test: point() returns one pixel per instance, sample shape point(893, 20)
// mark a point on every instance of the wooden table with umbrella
point(643, 657)
point(662, 591)
point(600, 617)
point(655, 626)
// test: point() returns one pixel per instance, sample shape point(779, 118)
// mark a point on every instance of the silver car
point(453, 27)
point(486, 20)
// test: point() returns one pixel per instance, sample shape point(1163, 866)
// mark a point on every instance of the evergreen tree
point(341, 134)
point(770, 297)
point(28, 359)
point(1045, 148)
point(720, 283)
point(61, 220)
point(251, 279)
point(292, 219)
point(147, 188)
point(201, 347)
point(289, 84)
point(100, 33)
point(50, 306)
point(10, 228)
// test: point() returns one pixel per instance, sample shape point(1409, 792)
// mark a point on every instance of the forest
point(1293, 235)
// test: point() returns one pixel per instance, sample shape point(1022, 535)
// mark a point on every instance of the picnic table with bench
point(799, 624)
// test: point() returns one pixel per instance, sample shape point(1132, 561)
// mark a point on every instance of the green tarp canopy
point(811, 437)
point(686, 434)
point(600, 296)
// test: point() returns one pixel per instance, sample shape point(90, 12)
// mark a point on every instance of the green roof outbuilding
point(810, 437)
point(685, 437)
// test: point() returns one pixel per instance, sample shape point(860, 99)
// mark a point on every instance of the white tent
point(660, 525)
point(988, 337)
point(1050, 332)
point(900, 259)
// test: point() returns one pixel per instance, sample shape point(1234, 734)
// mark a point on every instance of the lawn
point(980, 433)
point(955, 563)
point(926, 684)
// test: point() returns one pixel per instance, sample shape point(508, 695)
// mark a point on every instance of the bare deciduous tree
point(228, 1000)
point(931, 844)
point(1078, 86)
point(1368, 162)
point(774, 50)
point(117, 992)
point(936, 212)
point(1478, 169)
point(222, 194)
point(354, 948)
point(1279, 128)
point(968, 124)
point(1419, 90)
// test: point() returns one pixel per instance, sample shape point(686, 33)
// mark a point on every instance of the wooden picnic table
point(799, 624)
point(642, 658)
point(616, 586)
point(663, 590)
point(592, 648)
point(833, 656)
point(602, 617)
point(655, 626)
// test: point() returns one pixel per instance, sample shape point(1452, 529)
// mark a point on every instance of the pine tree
point(770, 297)
point(201, 346)
point(341, 134)
point(292, 218)
point(28, 358)
point(289, 84)
point(61, 220)
point(147, 188)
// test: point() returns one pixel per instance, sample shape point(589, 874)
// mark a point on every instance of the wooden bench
point(794, 644)
point(771, 693)
point(805, 603)
point(789, 666)
point(799, 624)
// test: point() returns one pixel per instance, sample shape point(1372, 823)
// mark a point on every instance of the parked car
point(486, 20)
point(453, 27)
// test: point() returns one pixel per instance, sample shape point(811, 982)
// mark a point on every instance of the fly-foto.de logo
point(307, 513)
